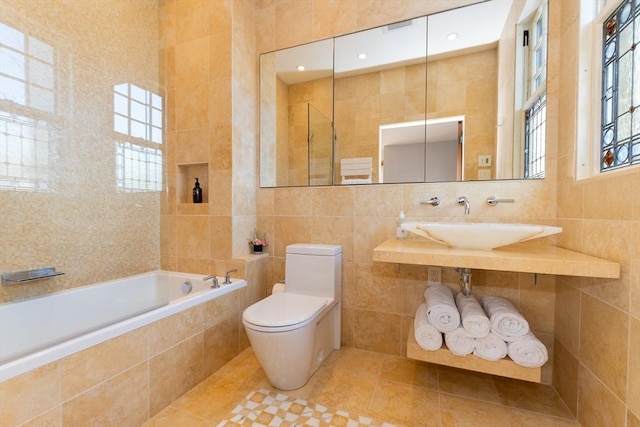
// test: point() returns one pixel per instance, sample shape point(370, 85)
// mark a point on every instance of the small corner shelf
point(503, 367)
point(29, 275)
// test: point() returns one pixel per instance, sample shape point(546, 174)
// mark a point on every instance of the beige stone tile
point(597, 405)
point(404, 405)
point(219, 309)
point(522, 418)
point(531, 396)
point(467, 384)
point(409, 372)
point(192, 62)
point(221, 344)
point(221, 234)
point(220, 193)
point(171, 417)
point(166, 383)
point(122, 400)
point(634, 298)
point(289, 230)
point(219, 54)
point(30, 394)
point(52, 418)
point(220, 147)
point(616, 190)
point(293, 23)
point(537, 302)
point(632, 420)
point(369, 232)
point(359, 362)
point(293, 202)
point(378, 288)
point(567, 317)
point(633, 378)
point(334, 230)
point(377, 331)
point(565, 376)
point(191, 23)
point(171, 330)
point(604, 344)
point(333, 201)
point(81, 371)
point(218, 93)
point(333, 17)
point(191, 107)
point(378, 200)
point(343, 389)
point(348, 324)
point(459, 411)
point(193, 237)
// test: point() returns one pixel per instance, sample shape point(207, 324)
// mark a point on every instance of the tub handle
point(227, 279)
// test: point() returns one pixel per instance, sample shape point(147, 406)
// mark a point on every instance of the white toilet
point(294, 331)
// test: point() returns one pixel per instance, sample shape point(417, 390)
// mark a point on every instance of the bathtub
point(41, 330)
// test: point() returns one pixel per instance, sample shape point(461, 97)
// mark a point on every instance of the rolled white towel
point(491, 347)
point(441, 308)
point(427, 336)
point(474, 319)
point(459, 342)
point(506, 321)
point(528, 351)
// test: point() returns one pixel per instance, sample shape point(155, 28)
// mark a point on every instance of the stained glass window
point(620, 101)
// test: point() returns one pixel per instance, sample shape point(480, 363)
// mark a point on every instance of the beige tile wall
point(128, 379)
point(596, 366)
point(85, 227)
point(379, 300)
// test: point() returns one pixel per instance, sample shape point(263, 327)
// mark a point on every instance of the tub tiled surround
point(597, 328)
point(126, 380)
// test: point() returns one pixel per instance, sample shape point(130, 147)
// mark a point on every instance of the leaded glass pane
point(620, 135)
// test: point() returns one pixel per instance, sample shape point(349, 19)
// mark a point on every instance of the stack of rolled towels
point(490, 331)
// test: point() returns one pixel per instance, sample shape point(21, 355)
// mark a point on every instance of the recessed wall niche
point(187, 174)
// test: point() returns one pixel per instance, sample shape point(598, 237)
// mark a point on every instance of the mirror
point(405, 103)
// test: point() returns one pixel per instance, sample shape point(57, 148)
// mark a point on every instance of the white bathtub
point(41, 330)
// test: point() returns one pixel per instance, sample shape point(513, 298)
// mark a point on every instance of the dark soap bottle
point(197, 193)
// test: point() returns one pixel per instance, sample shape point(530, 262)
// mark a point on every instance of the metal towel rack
point(29, 275)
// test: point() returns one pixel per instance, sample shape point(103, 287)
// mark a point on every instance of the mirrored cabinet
point(454, 96)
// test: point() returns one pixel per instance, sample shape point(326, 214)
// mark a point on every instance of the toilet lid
point(284, 309)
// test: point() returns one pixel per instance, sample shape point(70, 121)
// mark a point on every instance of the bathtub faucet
point(227, 279)
point(214, 284)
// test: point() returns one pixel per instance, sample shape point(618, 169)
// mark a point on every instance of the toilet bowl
point(294, 331)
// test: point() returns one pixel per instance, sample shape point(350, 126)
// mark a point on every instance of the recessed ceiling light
point(300, 68)
point(452, 36)
point(362, 55)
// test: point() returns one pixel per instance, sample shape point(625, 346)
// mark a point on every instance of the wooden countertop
point(521, 257)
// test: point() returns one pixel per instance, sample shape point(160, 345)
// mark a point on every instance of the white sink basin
point(484, 236)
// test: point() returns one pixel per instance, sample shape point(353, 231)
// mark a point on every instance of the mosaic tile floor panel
point(263, 408)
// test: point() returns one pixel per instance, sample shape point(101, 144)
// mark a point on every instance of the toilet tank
point(314, 269)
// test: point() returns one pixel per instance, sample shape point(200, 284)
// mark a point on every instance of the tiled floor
point(389, 388)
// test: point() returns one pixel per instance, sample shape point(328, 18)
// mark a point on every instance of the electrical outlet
point(434, 275)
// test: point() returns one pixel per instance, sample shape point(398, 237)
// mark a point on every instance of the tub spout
point(214, 284)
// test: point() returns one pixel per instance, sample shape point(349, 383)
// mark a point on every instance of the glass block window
point(620, 98)
point(27, 112)
point(138, 168)
point(137, 113)
point(535, 136)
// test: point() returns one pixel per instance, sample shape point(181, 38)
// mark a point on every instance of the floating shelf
point(521, 257)
point(503, 367)
point(30, 275)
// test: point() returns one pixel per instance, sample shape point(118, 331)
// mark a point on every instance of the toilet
point(294, 331)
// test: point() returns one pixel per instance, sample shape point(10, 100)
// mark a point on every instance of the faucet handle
point(493, 200)
point(434, 201)
point(227, 279)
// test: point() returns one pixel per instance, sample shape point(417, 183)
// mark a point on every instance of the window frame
point(588, 145)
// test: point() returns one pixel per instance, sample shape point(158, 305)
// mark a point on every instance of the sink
point(483, 236)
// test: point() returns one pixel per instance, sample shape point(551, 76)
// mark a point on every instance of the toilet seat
point(283, 312)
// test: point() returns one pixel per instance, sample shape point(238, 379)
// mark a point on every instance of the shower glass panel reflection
point(320, 143)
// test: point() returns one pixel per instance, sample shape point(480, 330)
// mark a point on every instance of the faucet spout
point(214, 283)
point(463, 200)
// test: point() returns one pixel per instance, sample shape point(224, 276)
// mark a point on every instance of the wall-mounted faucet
point(493, 200)
point(463, 200)
point(434, 201)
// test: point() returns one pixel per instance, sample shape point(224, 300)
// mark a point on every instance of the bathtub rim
point(66, 348)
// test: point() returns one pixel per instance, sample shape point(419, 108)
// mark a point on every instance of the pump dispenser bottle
point(197, 193)
point(401, 233)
